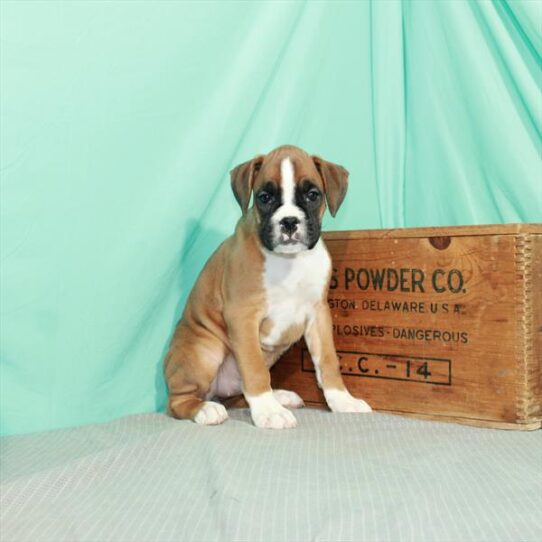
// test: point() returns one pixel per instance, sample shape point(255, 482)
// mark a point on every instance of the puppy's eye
point(265, 198)
point(312, 195)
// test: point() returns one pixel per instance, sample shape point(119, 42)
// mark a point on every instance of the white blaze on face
point(288, 209)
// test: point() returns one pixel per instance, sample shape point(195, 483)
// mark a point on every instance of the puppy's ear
point(335, 180)
point(242, 180)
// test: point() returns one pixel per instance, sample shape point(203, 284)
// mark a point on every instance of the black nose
point(289, 224)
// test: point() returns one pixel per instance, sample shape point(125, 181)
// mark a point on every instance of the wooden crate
point(443, 323)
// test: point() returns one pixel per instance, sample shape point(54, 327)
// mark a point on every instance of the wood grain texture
point(438, 322)
point(455, 231)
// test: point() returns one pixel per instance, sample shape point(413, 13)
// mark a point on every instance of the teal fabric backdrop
point(121, 120)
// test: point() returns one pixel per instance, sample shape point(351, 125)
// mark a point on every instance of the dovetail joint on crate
point(527, 406)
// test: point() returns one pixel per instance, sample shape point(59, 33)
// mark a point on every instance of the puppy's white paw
point(211, 413)
point(268, 413)
point(277, 419)
point(342, 401)
point(288, 399)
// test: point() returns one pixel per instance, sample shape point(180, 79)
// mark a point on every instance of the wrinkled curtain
point(121, 120)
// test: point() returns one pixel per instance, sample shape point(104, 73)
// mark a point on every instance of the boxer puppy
point(262, 290)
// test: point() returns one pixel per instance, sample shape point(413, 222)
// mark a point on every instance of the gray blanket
point(337, 477)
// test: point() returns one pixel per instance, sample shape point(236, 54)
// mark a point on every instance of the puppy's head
point(290, 190)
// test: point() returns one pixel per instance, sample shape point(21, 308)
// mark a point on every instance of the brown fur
point(225, 312)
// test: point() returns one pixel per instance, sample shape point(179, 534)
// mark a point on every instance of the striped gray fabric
point(337, 477)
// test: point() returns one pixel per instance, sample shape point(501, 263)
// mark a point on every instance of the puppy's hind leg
point(189, 373)
point(194, 408)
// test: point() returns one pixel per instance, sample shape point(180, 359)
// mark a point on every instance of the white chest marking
point(293, 285)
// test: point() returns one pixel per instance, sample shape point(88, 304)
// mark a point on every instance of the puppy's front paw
point(280, 419)
point(268, 413)
point(211, 413)
point(342, 401)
